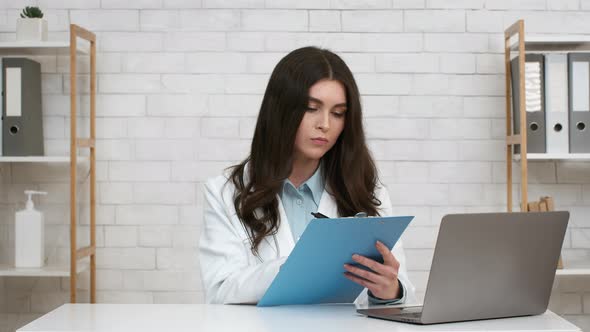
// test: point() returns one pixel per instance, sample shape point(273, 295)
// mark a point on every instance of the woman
point(308, 154)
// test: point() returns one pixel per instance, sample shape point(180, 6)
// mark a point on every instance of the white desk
point(202, 317)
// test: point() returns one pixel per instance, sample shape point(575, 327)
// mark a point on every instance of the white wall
point(179, 86)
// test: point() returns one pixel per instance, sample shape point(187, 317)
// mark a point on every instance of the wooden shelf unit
point(77, 255)
point(515, 40)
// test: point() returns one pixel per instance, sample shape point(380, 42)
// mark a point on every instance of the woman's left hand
point(382, 279)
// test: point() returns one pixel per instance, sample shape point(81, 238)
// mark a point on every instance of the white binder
point(534, 83)
point(556, 103)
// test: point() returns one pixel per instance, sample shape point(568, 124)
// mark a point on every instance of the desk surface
point(202, 317)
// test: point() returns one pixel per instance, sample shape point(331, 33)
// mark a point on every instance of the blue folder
point(314, 271)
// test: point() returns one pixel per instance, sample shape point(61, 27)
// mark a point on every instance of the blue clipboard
point(314, 272)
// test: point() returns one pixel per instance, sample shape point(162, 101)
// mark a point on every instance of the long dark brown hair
point(348, 169)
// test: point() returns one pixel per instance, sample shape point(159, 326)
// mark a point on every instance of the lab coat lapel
point(284, 235)
point(328, 205)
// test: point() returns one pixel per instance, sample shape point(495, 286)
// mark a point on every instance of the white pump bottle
point(29, 239)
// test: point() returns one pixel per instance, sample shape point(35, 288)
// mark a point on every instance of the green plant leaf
point(32, 12)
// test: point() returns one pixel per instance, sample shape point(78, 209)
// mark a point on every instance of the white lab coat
point(231, 274)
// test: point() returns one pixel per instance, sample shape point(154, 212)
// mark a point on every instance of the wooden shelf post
point(517, 29)
point(75, 144)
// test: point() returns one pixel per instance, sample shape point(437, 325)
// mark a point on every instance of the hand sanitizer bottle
point(29, 239)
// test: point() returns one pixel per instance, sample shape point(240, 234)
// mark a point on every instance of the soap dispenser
point(29, 239)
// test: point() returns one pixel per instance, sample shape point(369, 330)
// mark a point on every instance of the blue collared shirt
point(300, 202)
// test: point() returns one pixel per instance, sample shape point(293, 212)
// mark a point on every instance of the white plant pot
point(31, 29)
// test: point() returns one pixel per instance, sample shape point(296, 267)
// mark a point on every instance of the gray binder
point(534, 102)
point(22, 125)
point(556, 106)
point(579, 102)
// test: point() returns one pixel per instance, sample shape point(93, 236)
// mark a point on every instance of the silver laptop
point(488, 265)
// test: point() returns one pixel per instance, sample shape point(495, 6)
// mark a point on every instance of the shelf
point(555, 156)
point(85, 44)
point(41, 159)
point(46, 271)
point(38, 48)
point(561, 43)
point(573, 272)
point(574, 268)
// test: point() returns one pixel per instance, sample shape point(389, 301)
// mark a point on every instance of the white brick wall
point(274, 20)
point(155, 236)
point(106, 20)
point(130, 41)
point(372, 21)
point(446, 21)
point(179, 79)
point(324, 20)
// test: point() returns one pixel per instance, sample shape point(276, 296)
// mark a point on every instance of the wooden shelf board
point(562, 43)
point(38, 47)
point(555, 156)
point(40, 159)
point(573, 272)
point(46, 271)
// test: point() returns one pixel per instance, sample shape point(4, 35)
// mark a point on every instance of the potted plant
point(31, 25)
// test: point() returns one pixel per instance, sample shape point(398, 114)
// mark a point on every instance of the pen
point(318, 215)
